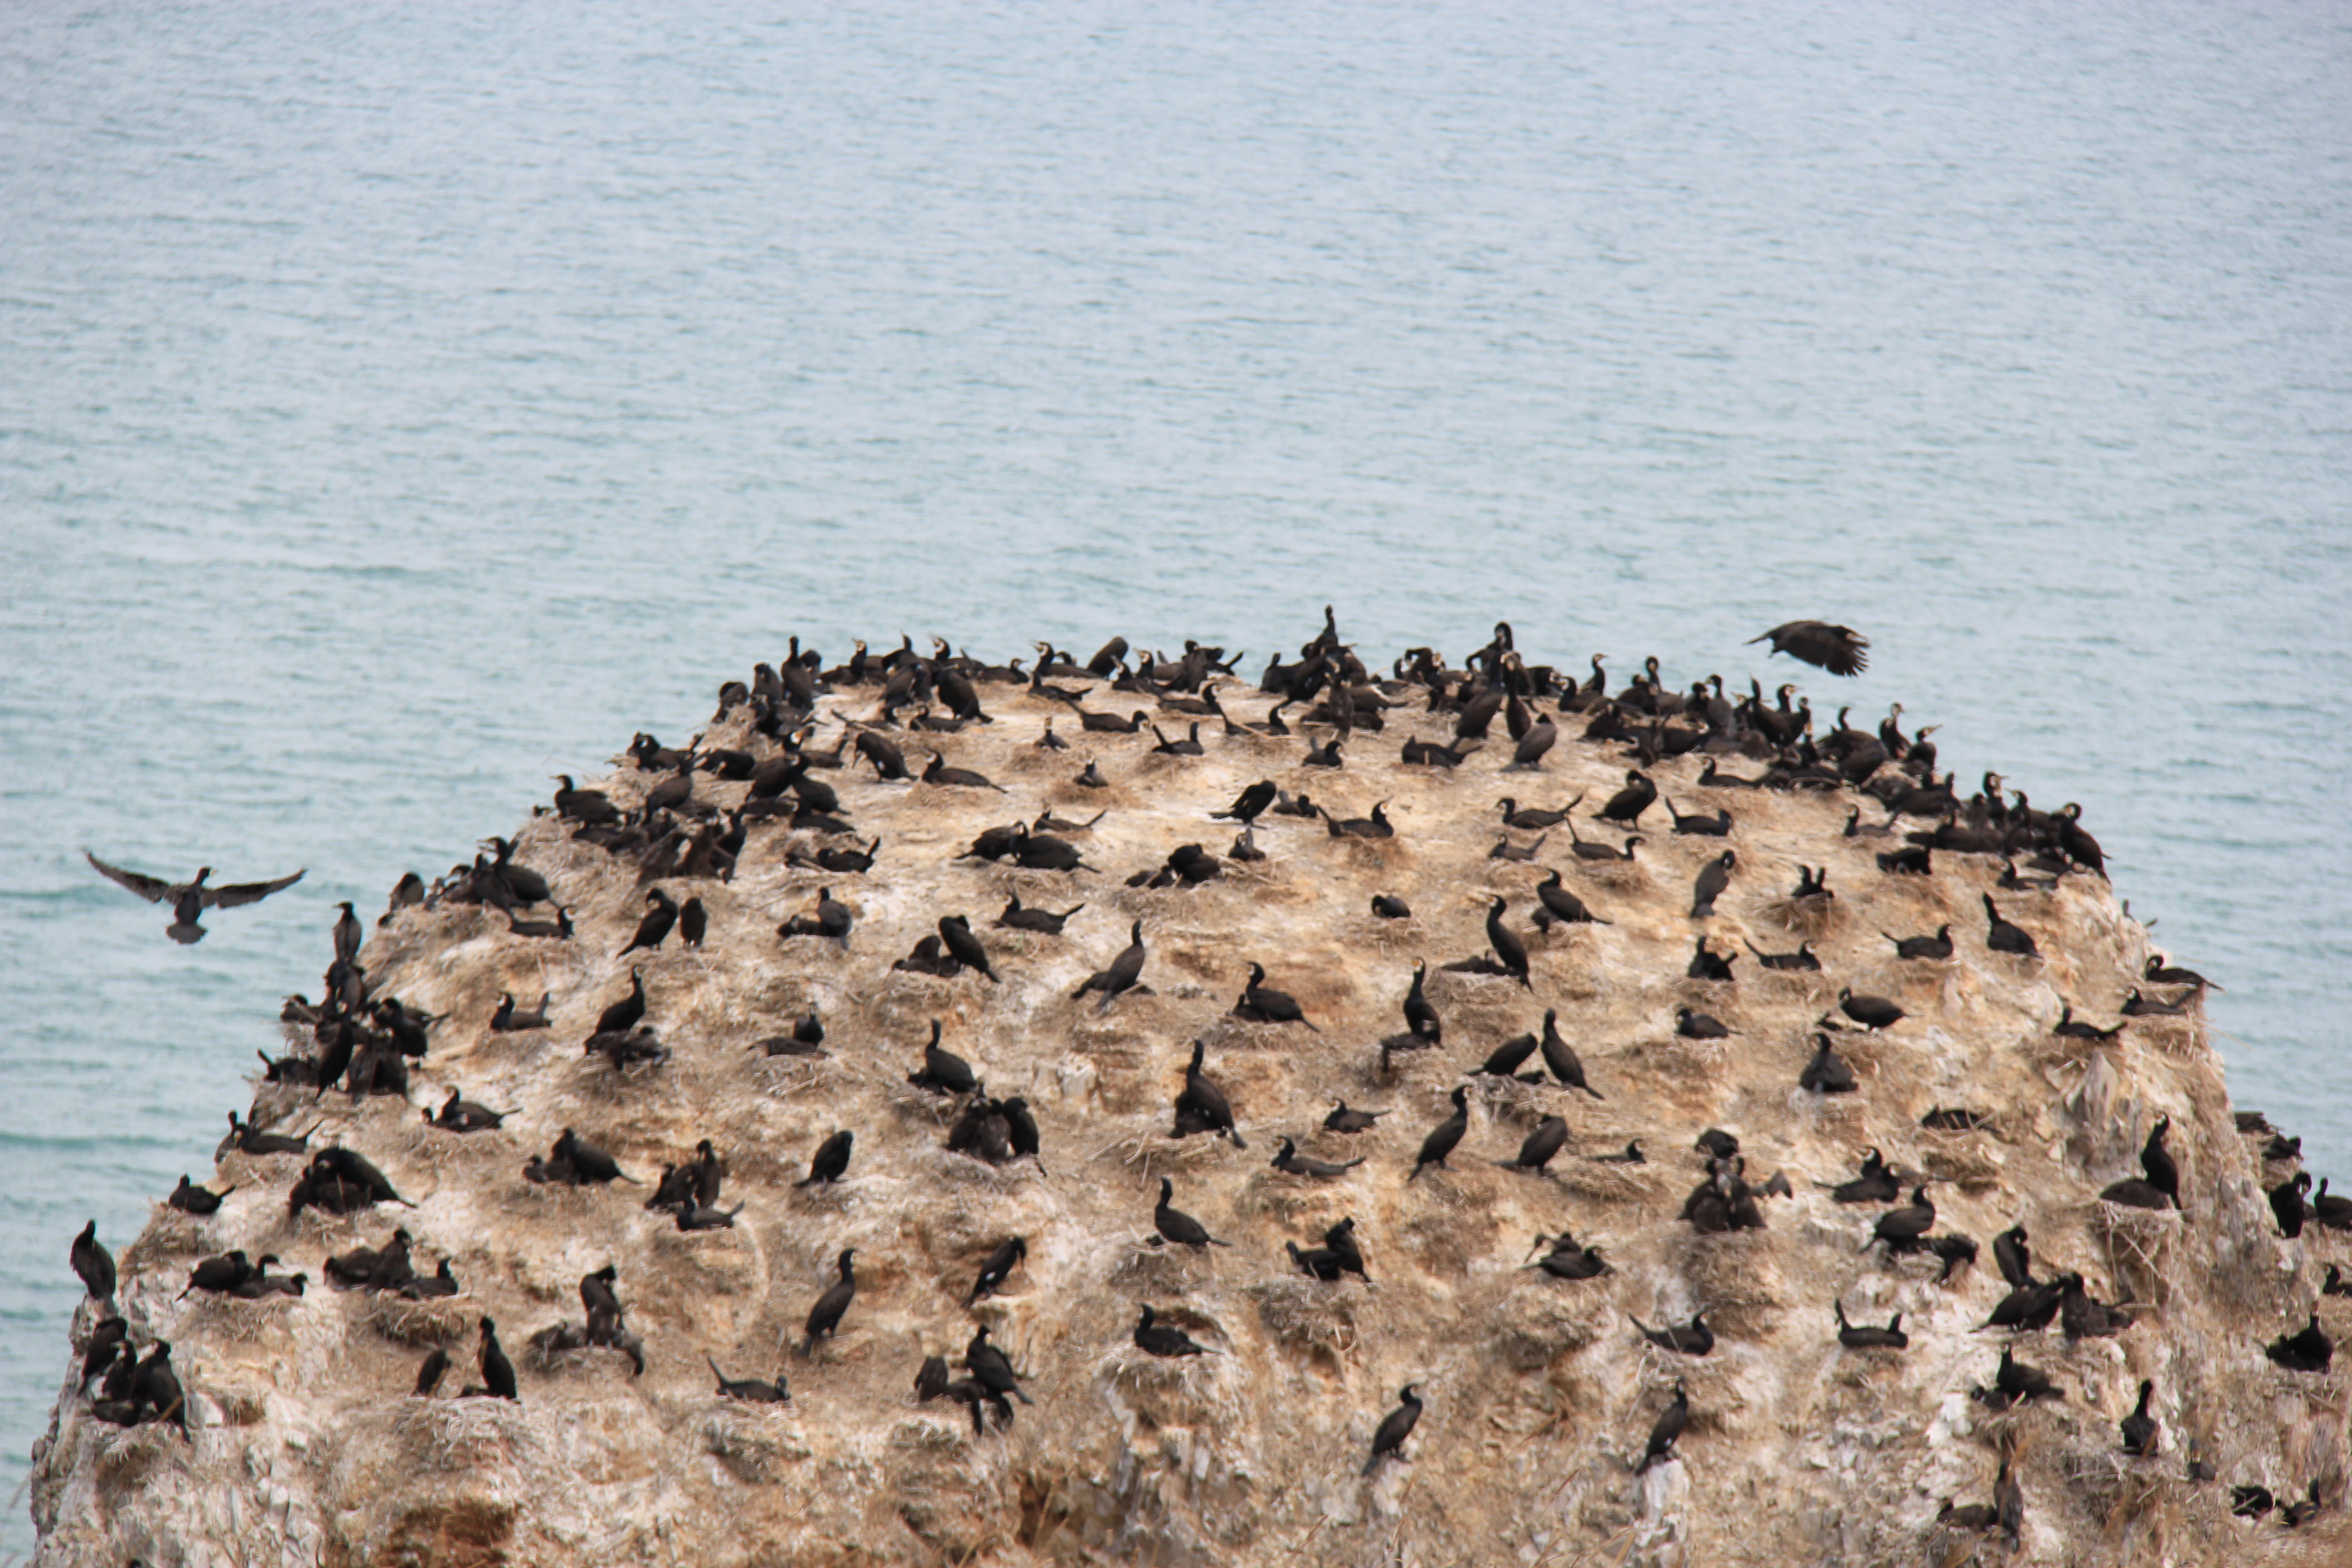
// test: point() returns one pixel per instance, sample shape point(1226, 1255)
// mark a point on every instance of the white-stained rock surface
point(306, 1447)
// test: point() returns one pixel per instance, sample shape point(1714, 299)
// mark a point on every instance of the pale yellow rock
point(308, 1448)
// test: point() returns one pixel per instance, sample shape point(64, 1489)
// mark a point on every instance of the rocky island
point(1126, 1112)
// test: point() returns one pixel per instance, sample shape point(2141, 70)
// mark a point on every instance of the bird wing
point(235, 893)
point(154, 889)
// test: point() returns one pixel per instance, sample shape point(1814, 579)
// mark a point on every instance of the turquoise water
point(397, 409)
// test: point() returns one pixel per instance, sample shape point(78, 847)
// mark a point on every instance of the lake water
point(398, 406)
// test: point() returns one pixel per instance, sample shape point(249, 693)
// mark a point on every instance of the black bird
point(1343, 1119)
point(2308, 1349)
point(1694, 1338)
point(1174, 1225)
point(2070, 1027)
point(693, 923)
point(1841, 650)
point(750, 1389)
point(1529, 753)
point(1715, 827)
point(2014, 1381)
point(1201, 1105)
point(2287, 1204)
point(1395, 1427)
point(1390, 908)
point(93, 1263)
point(1802, 959)
point(429, 1375)
point(938, 773)
point(1560, 904)
point(1873, 1013)
point(2030, 1307)
point(992, 1370)
point(1341, 1239)
point(1669, 1426)
point(1692, 1025)
point(1957, 1251)
point(157, 1387)
point(661, 914)
point(1249, 803)
point(1017, 918)
point(1875, 1184)
point(1508, 949)
point(348, 934)
point(1713, 879)
point(1288, 1159)
point(1124, 971)
point(2156, 971)
point(1444, 1135)
point(1504, 1059)
point(1628, 804)
point(2012, 1255)
point(943, 1071)
point(591, 1162)
point(1532, 818)
point(1901, 1228)
point(1630, 1155)
point(2297, 1514)
point(1162, 1341)
point(1566, 1260)
point(191, 899)
point(1937, 947)
point(2084, 1318)
point(826, 1316)
point(497, 1372)
point(510, 1018)
point(2001, 936)
point(1561, 1058)
point(2163, 1172)
point(558, 929)
point(625, 1015)
point(1867, 1336)
point(189, 1198)
point(1260, 1003)
point(2331, 1210)
point(997, 1268)
point(1536, 1151)
point(955, 935)
point(216, 1276)
point(1420, 1019)
point(1827, 1073)
point(830, 1162)
point(1708, 965)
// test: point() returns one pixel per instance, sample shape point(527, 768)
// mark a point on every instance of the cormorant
point(191, 899)
point(1841, 650)
point(1164, 1342)
point(830, 1162)
point(1669, 1426)
point(826, 1316)
point(1444, 1135)
point(1508, 949)
point(1561, 1058)
point(1389, 1441)
point(1713, 879)
point(1174, 1225)
point(1867, 1336)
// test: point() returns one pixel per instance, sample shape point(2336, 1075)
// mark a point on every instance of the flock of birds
point(364, 1042)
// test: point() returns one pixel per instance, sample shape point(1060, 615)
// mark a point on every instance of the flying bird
point(191, 899)
point(1841, 650)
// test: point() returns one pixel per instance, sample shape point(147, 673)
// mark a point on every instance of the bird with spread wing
point(191, 899)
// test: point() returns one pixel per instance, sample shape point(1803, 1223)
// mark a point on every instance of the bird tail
point(1372, 1464)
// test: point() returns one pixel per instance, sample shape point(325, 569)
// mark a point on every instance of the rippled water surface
point(397, 406)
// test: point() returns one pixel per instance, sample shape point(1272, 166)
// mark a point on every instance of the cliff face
point(307, 1446)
